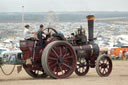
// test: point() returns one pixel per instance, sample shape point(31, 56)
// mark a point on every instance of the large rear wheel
point(59, 59)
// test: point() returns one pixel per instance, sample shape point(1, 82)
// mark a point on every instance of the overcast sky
point(63, 5)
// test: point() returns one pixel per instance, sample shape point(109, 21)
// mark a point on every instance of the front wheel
point(82, 67)
point(104, 66)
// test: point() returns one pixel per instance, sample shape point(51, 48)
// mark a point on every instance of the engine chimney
point(90, 27)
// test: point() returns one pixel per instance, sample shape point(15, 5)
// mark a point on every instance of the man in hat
point(28, 33)
point(81, 38)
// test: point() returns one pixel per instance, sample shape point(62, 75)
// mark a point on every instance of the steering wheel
point(50, 31)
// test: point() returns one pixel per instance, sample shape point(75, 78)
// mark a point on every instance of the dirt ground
point(119, 76)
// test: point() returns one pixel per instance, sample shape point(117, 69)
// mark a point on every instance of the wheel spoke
point(54, 70)
point(52, 58)
point(67, 57)
point(60, 51)
point(53, 65)
point(55, 52)
point(83, 70)
point(65, 54)
point(104, 71)
point(61, 69)
point(67, 65)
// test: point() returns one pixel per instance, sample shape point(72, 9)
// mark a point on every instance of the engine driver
point(81, 38)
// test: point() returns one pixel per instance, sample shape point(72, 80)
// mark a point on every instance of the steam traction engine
point(59, 58)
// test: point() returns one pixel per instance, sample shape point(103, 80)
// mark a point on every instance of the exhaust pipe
point(90, 27)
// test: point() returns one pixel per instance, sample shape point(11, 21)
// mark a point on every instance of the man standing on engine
point(28, 33)
point(41, 36)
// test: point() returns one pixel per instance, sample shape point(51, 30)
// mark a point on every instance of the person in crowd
point(125, 53)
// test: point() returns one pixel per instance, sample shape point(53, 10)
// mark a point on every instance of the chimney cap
point(90, 17)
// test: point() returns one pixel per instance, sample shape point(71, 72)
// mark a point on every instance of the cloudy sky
point(63, 5)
